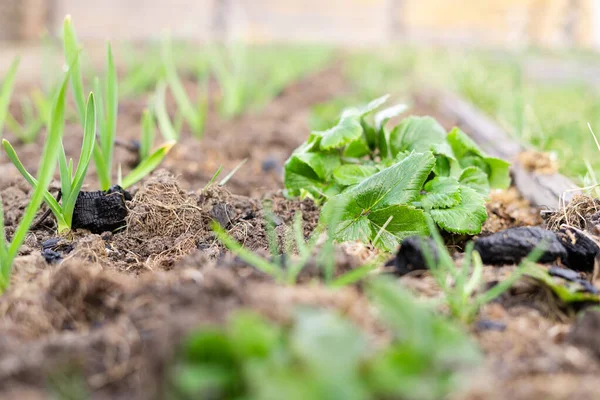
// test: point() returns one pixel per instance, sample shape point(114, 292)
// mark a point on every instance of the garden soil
point(113, 310)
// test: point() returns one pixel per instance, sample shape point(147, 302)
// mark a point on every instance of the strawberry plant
point(389, 179)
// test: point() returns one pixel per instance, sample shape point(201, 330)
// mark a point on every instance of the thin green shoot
point(33, 122)
point(162, 116)
point(70, 184)
point(107, 94)
point(284, 267)
point(230, 66)
point(148, 133)
point(147, 165)
point(463, 287)
point(72, 50)
point(6, 91)
point(194, 114)
point(50, 153)
point(214, 177)
point(230, 175)
point(148, 160)
point(246, 255)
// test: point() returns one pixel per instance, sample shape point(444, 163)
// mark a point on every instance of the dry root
point(578, 213)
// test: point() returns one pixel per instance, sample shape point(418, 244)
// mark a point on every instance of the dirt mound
point(122, 332)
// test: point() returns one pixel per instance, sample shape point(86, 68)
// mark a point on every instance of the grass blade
point(353, 276)
point(232, 173)
point(164, 122)
point(46, 171)
point(65, 175)
point(148, 132)
point(103, 167)
point(245, 254)
point(87, 148)
point(4, 261)
point(214, 177)
point(107, 140)
point(71, 49)
point(6, 91)
point(147, 165)
point(184, 104)
point(12, 155)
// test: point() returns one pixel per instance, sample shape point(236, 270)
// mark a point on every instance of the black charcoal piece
point(101, 211)
point(222, 213)
point(581, 250)
point(410, 256)
point(51, 256)
point(489, 325)
point(50, 243)
point(564, 273)
point(512, 245)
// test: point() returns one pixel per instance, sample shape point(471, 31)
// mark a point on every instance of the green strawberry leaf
point(440, 192)
point(309, 171)
point(365, 208)
point(469, 154)
point(416, 134)
point(352, 174)
point(475, 179)
point(392, 224)
point(467, 217)
point(349, 127)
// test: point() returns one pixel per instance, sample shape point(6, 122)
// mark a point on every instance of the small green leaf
point(469, 154)
point(345, 132)
point(309, 171)
point(416, 134)
point(349, 127)
point(467, 217)
point(358, 148)
point(383, 116)
point(499, 172)
point(476, 179)
point(440, 192)
point(352, 174)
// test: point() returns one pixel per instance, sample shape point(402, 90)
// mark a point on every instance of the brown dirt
point(116, 307)
point(507, 209)
point(538, 161)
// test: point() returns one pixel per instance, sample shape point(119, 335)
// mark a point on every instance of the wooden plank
point(542, 190)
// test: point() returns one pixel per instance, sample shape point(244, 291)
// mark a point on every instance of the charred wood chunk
point(101, 211)
point(222, 213)
point(512, 245)
point(564, 273)
point(581, 250)
point(411, 255)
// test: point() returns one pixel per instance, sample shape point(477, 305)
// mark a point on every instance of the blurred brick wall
point(505, 22)
point(24, 19)
point(543, 22)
